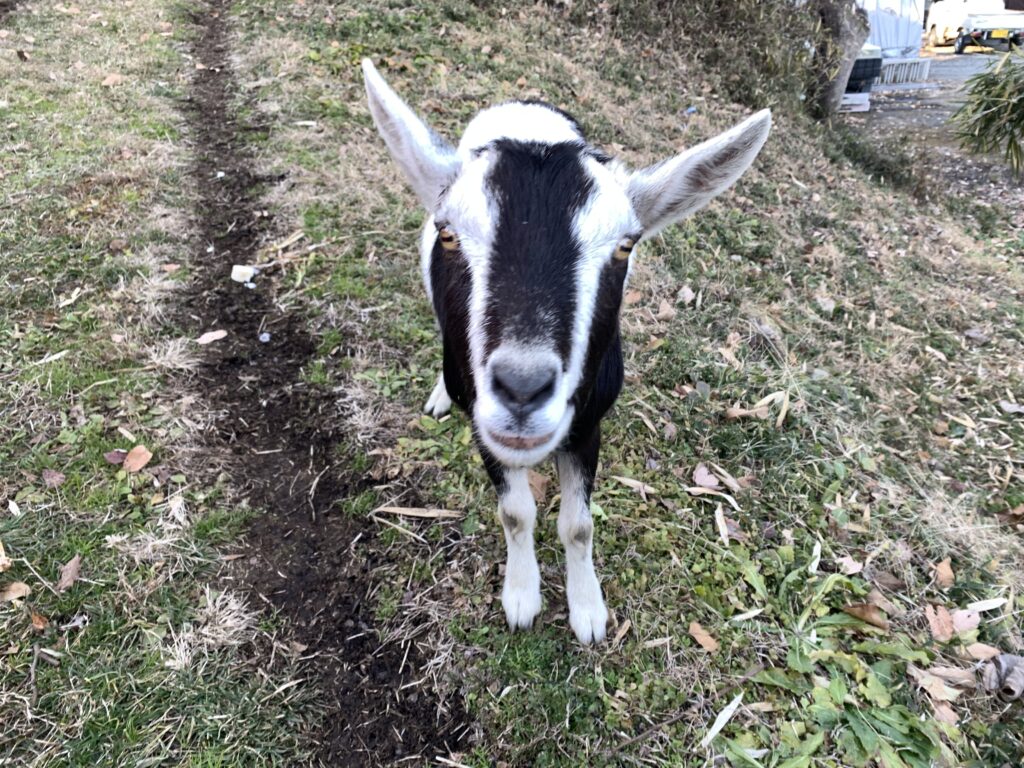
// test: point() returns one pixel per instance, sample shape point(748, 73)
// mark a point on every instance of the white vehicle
point(974, 22)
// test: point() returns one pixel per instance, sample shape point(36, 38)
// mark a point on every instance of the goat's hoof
point(439, 403)
point(589, 622)
point(521, 608)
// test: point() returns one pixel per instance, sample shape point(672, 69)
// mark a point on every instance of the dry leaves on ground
point(69, 573)
point(52, 478)
point(868, 613)
point(944, 574)
point(15, 591)
point(137, 458)
point(211, 336)
point(703, 637)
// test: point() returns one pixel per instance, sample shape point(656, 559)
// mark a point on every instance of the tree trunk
point(847, 28)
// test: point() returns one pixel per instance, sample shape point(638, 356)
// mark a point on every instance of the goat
point(526, 250)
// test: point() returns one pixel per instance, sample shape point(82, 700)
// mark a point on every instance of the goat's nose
point(523, 390)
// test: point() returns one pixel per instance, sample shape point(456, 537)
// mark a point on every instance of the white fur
point(665, 193)
point(587, 612)
point(428, 161)
point(439, 403)
point(520, 596)
point(519, 122)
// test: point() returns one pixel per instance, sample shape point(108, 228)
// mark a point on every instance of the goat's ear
point(682, 185)
point(429, 162)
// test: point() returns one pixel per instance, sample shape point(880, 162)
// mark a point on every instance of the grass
point(824, 287)
point(140, 661)
point(889, 333)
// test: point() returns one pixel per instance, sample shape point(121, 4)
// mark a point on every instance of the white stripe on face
point(599, 226)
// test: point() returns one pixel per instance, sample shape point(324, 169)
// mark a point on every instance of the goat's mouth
point(518, 442)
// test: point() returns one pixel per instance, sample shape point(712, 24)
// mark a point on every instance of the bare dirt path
point(305, 557)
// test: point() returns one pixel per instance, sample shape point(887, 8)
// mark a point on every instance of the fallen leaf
point(703, 477)
point(686, 295)
point(736, 412)
point(5, 561)
point(965, 621)
point(52, 478)
point(875, 597)
point(730, 482)
point(137, 458)
point(944, 574)
point(69, 573)
point(964, 678)
point(982, 652)
point(115, 456)
point(670, 431)
point(112, 79)
point(170, 268)
point(944, 713)
point(15, 591)
point(39, 622)
point(722, 720)
point(1009, 407)
point(666, 311)
point(211, 336)
point(940, 623)
point(932, 684)
point(826, 304)
point(987, 605)
point(703, 638)
point(538, 485)
point(849, 566)
point(723, 527)
point(642, 488)
point(868, 613)
point(632, 297)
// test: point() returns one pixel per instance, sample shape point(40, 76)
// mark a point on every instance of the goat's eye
point(624, 248)
point(449, 240)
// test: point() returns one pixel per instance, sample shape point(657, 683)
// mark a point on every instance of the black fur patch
point(532, 281)
point(450, 285)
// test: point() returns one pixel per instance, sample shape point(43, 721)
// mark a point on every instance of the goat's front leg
point(439, 403)
point(517, 511)
point(587, 612)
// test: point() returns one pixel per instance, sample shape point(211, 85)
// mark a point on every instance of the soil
point(304, 557)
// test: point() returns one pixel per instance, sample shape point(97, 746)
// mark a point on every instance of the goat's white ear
point(429, 162)
point(674, 189)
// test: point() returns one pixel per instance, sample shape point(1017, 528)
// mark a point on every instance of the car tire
point(960, 44)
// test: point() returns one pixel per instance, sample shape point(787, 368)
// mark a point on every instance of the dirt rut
point(304, 557)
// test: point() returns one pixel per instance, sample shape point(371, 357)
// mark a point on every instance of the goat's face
point(529, 247)
point(543, 231)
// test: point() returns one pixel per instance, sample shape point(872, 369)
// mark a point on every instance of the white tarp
point(896, 26)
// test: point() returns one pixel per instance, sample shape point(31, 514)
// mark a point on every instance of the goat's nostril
point(523, 389)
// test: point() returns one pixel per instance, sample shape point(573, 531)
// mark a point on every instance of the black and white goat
point(525, 254)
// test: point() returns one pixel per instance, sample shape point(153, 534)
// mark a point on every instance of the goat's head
point(529, 246)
